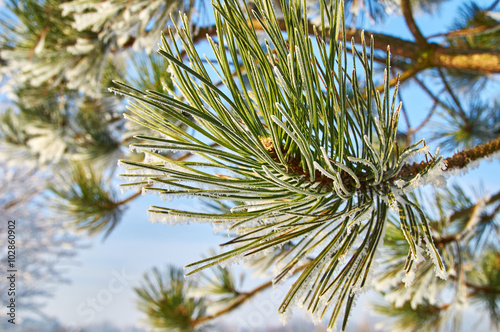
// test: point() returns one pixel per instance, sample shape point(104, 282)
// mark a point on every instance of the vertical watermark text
point(11, 271)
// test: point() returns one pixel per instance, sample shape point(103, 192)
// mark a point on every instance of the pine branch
point(311, 174)
point(464, 158)
point(297, 140)
point(163, 297)
point(459, 160)
point(410, 22)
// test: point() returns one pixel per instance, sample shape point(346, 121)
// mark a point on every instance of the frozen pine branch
point(276, 122)
point(315, 161)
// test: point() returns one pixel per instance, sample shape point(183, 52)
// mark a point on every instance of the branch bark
point(433, 55)
point(468, 60)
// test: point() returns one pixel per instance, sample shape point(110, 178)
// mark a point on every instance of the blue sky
point(134, 247)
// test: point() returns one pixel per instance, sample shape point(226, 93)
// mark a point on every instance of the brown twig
point(240, 300)
point(424, 121)
point(433, 96)
point(463, 158)
point(458, 161)
point(461, 112)
point(493, 5)
point(130, 198)
point(466, 31)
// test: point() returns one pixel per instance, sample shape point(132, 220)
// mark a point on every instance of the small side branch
point(130, 198)
point(453, 96)
point(242, 299)
point(463, 158)
point(425, 121)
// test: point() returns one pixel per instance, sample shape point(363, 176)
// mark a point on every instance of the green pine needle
point(291, 133)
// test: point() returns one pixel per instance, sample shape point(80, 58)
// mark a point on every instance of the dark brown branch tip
point(459, 160)
point(462, 158)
